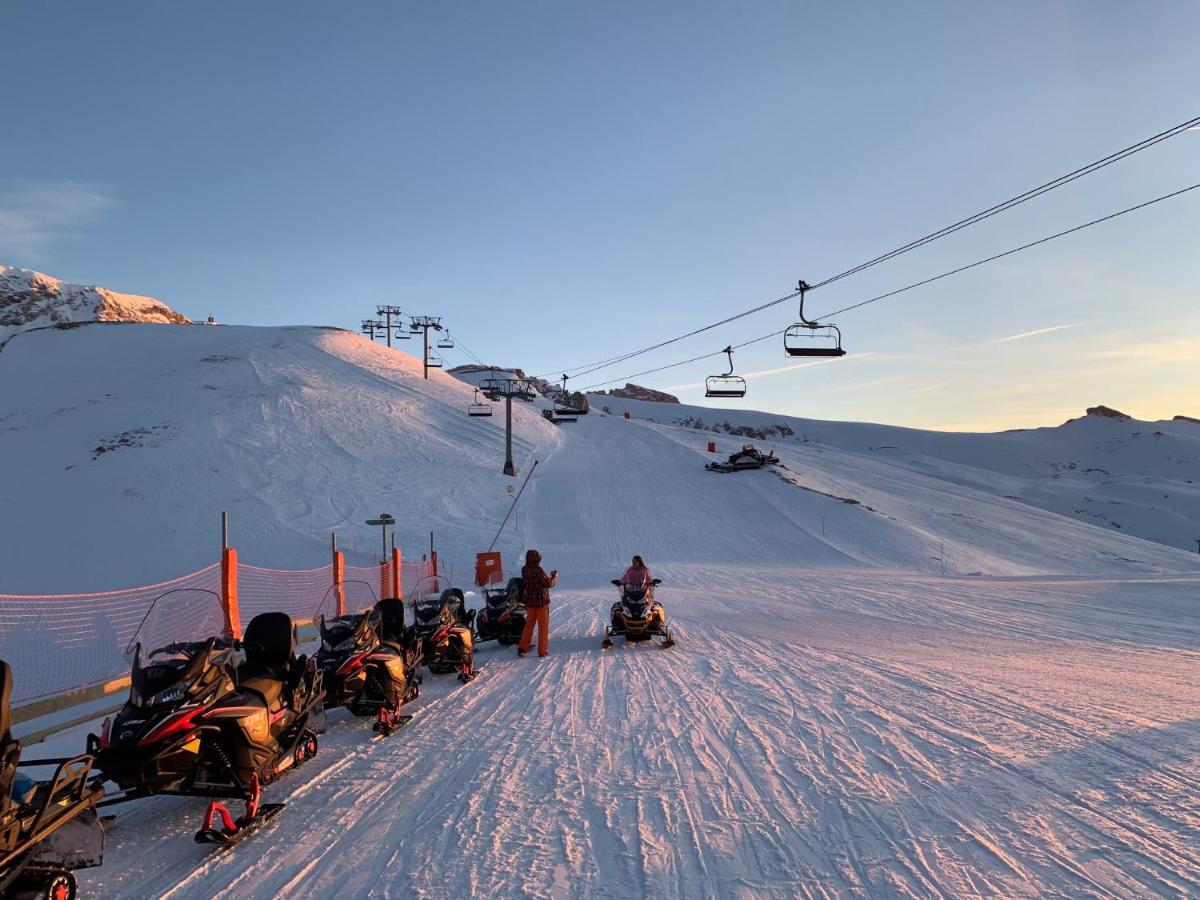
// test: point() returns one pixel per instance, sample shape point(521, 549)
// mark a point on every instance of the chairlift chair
point(808, 338)
point(445, 343)
point(727, 385)
point(434, 361)
point(477, 409)
point(402, 333)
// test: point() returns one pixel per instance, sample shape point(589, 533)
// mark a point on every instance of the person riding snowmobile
point(637, 575)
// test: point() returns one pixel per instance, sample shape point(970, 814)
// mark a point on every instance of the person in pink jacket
point(637, 575)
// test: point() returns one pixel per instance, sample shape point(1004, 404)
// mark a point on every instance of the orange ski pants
point(539, 616)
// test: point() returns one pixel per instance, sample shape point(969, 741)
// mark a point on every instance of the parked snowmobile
point(502, 618)
point(153, 745)
point(186, 730)
point(362, 671)
point(442, 621)
point(47, 828)
point(746, 458)
point(637, 616)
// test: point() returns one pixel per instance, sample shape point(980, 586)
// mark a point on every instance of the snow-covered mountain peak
point(30, 299)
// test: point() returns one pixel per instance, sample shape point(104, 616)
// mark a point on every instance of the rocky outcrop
point(29, 299)
point(1106, 412)
point(637, 392)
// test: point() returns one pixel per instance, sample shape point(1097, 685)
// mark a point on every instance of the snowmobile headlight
point(172, 694)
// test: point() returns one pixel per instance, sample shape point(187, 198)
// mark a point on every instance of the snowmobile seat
point(270, 644)
point(391, 620)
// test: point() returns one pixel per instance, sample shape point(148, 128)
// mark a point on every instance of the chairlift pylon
point(808, 338)
point(727, 385)
point(479, 409)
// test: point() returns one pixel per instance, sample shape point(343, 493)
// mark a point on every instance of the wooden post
point(396, 585)
point(433, 563)
point(385, 580)
point(229, 593)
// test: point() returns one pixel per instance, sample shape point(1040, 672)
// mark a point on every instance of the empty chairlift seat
point(804, 339)
point(809, 338)
point(727, 385)
point(479, 409)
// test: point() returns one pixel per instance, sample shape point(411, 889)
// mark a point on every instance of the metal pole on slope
point(224, 531)
point(509, 468)
point(532, 468)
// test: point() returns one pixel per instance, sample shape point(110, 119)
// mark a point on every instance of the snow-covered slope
point(839, 717)
point(1139, 478)
point(816, 732)
point(123, 445)
point(29, 299)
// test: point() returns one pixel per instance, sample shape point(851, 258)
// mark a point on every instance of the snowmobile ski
point(233, 832)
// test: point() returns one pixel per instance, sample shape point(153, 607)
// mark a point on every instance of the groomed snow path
point(817, 731)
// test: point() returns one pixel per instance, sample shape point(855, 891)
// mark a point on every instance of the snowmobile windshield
point(176, 619)
point(425, 599)
point(171, 647)
point(495, 592)
point(427, 608)
point(343, 634)
point(429, 586)
point(345, 598)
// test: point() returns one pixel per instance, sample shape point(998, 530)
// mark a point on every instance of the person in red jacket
point(536, 586)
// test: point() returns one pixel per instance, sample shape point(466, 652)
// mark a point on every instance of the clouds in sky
point(1034, 333)
point(37, 214)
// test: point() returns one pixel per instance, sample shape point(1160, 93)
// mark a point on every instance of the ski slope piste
point(897, 672)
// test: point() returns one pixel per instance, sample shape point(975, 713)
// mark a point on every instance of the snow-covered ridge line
point(1104, 468)
point(30, 299)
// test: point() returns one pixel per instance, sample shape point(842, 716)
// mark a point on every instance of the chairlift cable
point(1017, 200)
point(916, 284)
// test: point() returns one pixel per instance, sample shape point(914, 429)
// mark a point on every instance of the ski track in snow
point(815, 732)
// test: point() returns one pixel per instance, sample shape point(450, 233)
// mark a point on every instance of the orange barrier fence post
point(396, 580)
point(339, 576)
point(229, 593)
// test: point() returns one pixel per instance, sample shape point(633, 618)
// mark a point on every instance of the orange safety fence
point(57, 643)
point(297, 592)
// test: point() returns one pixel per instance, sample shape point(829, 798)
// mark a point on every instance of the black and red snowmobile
point(368, 667)
point(197, 723)
point(502, 618)
point(47, 828)
point(443, 623)
point(746, 458)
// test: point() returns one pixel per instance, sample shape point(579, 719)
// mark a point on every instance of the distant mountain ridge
point(30, 299)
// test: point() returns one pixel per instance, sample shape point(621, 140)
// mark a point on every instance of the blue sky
point(564, 181)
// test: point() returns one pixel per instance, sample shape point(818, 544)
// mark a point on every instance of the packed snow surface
point(890, 679)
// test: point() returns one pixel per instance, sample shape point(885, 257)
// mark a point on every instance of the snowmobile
point(362, 671)
point(442, 621)
point(185, 730)
point(502, 618)
point(746, 458)
point(637, 616)
point(47, 828)
point(153, 744)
